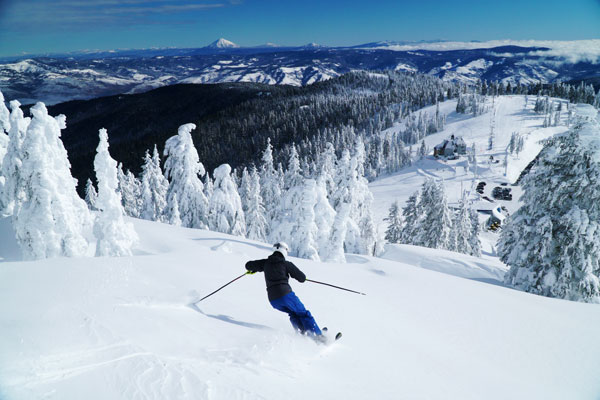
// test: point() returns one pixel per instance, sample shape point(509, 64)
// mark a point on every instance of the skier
point(277, 272)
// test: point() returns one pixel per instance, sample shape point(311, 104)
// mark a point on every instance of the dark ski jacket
point(277, 272)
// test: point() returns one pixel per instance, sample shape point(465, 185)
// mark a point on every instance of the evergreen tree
point(361, 209)
point(154, 189)
point(293, 174)
point(434, 229)
point(4, 115)
point(474, 240)
point(326, 167)
point(411, 216)
point(270, 185)
point(324, 216)
point(130, 189)
point(512, 144)
point(304, 230)
point(552, 242)
point(422, 150)
point(90, 195)
point(225, 212)
point(209, 185)
point(335, 245)
point(172, 212)
point(13, 193)
point(245, 189)
point(256, 222)
point(492, 136)
point(184, 170)
point(463, 227)
point(394, 230)
point(52, 220)
point(4, 129)
point(115, 237)
point(289, 206)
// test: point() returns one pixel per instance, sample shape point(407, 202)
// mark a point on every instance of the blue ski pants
point(300, 317)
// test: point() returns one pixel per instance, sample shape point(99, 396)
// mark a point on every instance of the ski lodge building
point(450, 148)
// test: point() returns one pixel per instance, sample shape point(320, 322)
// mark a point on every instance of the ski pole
point(228, 283)
point(337, 287)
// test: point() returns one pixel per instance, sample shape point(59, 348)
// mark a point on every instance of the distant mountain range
point(85, 75)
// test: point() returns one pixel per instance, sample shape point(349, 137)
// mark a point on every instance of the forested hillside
point(234, 120)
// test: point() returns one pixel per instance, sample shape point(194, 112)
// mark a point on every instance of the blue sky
point(41, 26)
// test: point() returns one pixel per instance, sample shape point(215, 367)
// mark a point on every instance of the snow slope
point(123, 328)
point(120, 328)
point(512, 114)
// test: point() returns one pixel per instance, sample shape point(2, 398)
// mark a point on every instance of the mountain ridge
point(60, 79)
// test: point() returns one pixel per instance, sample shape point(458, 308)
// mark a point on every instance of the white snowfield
point(123, 328)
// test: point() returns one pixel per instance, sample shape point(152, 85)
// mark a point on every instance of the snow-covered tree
point(90, 195)
point(304, 231)
point(114, 236)
point(335, 245)
point(552, 243)
point(394, 219)
point(492, 135)
point(244, 189)
point(326, 167)
point(209, 186)
point(361, 212)
point(512, 144)
point(225, 212)
point(293, 175)
point(4, 115)
point(324, 215)
point(130, 189)
point(256, 223)
point(427, 218)
point(463, 227)
point(288, 206)
point(172, 211)
point(52, 219)
point(422, 152)
point(474, 240)
point(4, 128)
point(411, 216)
point(154, 189)
point(270, 185)
point(347, 193)
point(343, 181)
point(12, 193)
point(184, 169)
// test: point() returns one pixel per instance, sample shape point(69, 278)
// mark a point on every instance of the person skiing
point(277, 272)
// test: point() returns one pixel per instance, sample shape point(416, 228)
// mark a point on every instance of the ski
point(337, 335)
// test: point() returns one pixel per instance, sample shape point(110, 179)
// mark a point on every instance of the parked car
point(497, 192)
point(501, 193)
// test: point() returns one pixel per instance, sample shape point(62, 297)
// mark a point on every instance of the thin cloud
point(175, 8)
point(45, 15)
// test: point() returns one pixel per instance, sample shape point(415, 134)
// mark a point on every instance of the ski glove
point(250, 272)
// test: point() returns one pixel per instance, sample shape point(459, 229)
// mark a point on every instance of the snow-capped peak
point(223, 44)
point(313, 45)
